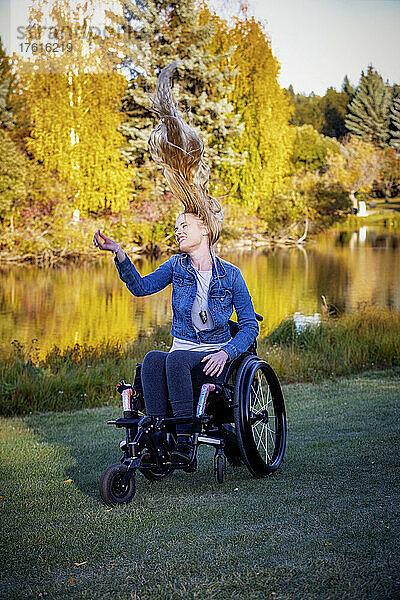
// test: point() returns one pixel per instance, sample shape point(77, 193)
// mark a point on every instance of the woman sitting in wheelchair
point(205, 289)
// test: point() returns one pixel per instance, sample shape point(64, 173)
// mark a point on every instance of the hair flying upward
point(178, 148)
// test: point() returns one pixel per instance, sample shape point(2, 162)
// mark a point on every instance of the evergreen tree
point(291, 93)
point(326, 114)
point(396, 90)
point(348, 89)
point(163, 31)
point(368, 115)
point(395, 124)
point(334, 107)
point(308, 111)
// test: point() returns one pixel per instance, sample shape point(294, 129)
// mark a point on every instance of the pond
point(90, 304)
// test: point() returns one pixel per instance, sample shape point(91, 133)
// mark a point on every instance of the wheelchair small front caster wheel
point(112, 488)
point(219, 467)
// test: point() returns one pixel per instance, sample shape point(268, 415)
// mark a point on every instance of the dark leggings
point(168, 375)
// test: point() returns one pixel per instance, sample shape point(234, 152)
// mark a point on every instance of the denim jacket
point(227, 290)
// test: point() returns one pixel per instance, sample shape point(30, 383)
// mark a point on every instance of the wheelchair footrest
point(124, 422)
point(205, 439)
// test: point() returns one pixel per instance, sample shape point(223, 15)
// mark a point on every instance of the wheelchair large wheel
point(260, 419)
point(112, 489)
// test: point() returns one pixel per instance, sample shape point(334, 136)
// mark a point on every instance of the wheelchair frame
point(243, 418)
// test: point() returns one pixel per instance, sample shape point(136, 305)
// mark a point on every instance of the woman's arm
point(137, 285)
point(149, 284)
point(246, 318)
point(120, 255)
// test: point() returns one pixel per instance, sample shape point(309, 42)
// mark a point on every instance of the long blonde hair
point(178, 148)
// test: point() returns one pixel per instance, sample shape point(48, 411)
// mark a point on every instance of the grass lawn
point(323, 527)
point(384, 213)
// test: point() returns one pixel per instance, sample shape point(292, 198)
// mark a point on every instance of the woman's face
point(189, 231)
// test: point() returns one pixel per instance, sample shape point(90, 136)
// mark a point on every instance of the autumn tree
point(356, 167)
point(368, 113)
point(12, 178)
point(388, 181)
point(13, 164)
point(310, 148)
point(73, 101)
point(264, 109)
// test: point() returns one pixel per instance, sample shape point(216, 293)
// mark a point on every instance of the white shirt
point(200, 305)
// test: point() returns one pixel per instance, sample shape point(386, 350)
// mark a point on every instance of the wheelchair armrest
point(234, 327)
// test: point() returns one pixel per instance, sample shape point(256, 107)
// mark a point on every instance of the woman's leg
point(179, 365)
point(154, 381)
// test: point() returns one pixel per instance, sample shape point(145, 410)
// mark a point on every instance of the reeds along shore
point(84, 376)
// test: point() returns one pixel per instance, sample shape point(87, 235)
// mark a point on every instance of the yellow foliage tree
point(73, 100)
point(356, 167)
point(267, 140)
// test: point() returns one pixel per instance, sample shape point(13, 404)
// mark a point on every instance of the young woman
point(204, 288)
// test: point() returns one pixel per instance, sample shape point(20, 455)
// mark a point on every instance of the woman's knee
point(153, 361)
point(178, 360)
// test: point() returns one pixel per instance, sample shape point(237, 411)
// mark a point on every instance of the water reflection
point(366, 236)
point(90, 304)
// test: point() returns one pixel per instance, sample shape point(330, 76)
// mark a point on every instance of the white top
point(200, 305)
point(179, 344)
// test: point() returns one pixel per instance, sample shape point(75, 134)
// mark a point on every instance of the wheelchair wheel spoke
point(262, 442)
point(259, 433)
point(262, 417)
point(271, 435)
point(268, 454)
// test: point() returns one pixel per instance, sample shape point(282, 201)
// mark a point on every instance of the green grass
point(323, 527)
point(76, 377)
point(353, 343)
point(386, 214)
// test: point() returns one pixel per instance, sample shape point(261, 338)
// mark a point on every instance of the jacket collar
point(217, 274)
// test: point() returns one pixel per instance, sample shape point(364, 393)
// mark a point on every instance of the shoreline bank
point(148, 250)
point(51, 252)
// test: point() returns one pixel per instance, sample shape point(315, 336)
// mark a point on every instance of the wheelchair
point(242, 415)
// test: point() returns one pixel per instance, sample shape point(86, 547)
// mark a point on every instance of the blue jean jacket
point(227, 290)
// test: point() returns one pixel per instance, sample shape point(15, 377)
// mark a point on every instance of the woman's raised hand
point(103, 242)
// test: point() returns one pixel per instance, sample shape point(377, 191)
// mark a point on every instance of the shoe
point(146, 458)
point(160, 442)
point(183, 452)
